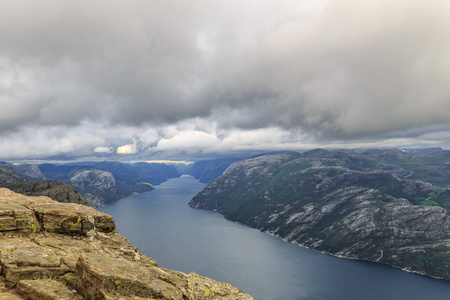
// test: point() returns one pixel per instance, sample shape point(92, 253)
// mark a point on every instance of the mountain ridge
point(104, 182)
point(347, 205)
point(54, 189)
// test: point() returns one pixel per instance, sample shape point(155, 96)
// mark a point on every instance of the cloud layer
point(150, 77)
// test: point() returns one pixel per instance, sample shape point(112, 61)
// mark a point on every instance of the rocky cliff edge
point(52, 250)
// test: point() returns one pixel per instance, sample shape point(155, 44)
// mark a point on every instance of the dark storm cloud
point(124, 61)
point(356, 69)
point(334, 70)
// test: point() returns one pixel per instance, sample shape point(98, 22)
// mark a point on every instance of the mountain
point(52, 250)
point(9, 177)
point(97, 186)
point(29, 172)
point(423, 151)
point(153, 173)
point(207, 170)
point(54, 189)
point(353, 204)
point(105, 182)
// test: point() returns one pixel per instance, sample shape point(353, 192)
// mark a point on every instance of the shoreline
point(328, 253)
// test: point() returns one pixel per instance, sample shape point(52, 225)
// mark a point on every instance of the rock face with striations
point(52, 250)
point(346, 205)
point(27, 171)
point(96, 186)
point(9, 177)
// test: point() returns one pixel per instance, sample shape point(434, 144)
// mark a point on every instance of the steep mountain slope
point(207, 170)
point(337, 202)
point(9, 177)
point(54, 189)
point(97, 186)
point(29, 172)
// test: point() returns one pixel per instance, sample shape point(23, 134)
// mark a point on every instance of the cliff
point(53, 189)
point(9, 177)
point(342, 204)
point(207, 170)
point(29, 172)
point(96, 186)
point(56, 190)
point(52, 250)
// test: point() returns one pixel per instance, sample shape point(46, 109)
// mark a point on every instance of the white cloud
point(127, 149)
point(148, 136)
point(188, 140)
point(103, 150)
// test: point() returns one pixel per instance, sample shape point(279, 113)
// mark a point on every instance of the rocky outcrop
point(9, 177)
point(96, 186)
point(316, 201)
point(52, 250)
point(53, 189)
point(29, 172)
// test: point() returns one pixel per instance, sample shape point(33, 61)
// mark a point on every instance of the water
point(178, 237)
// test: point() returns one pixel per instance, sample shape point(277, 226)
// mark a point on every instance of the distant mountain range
point(28, 180)
point(99, 183)
point(388, 206)
point(105, 182)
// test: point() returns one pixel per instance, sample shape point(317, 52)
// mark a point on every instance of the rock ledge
point(52, 250)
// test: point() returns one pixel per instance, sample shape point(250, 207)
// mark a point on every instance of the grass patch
point(428, 202)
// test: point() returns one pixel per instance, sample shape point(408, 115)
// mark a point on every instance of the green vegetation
point(428, 202)
point(346, 203)
point(431, 200)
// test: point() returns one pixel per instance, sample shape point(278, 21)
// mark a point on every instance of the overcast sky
point(189, 79)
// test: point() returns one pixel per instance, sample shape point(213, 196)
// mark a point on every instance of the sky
point(185, 80)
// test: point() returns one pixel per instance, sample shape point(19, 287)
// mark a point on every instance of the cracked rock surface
point(52, 250)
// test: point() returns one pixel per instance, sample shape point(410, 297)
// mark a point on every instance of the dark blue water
point(178, 237)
